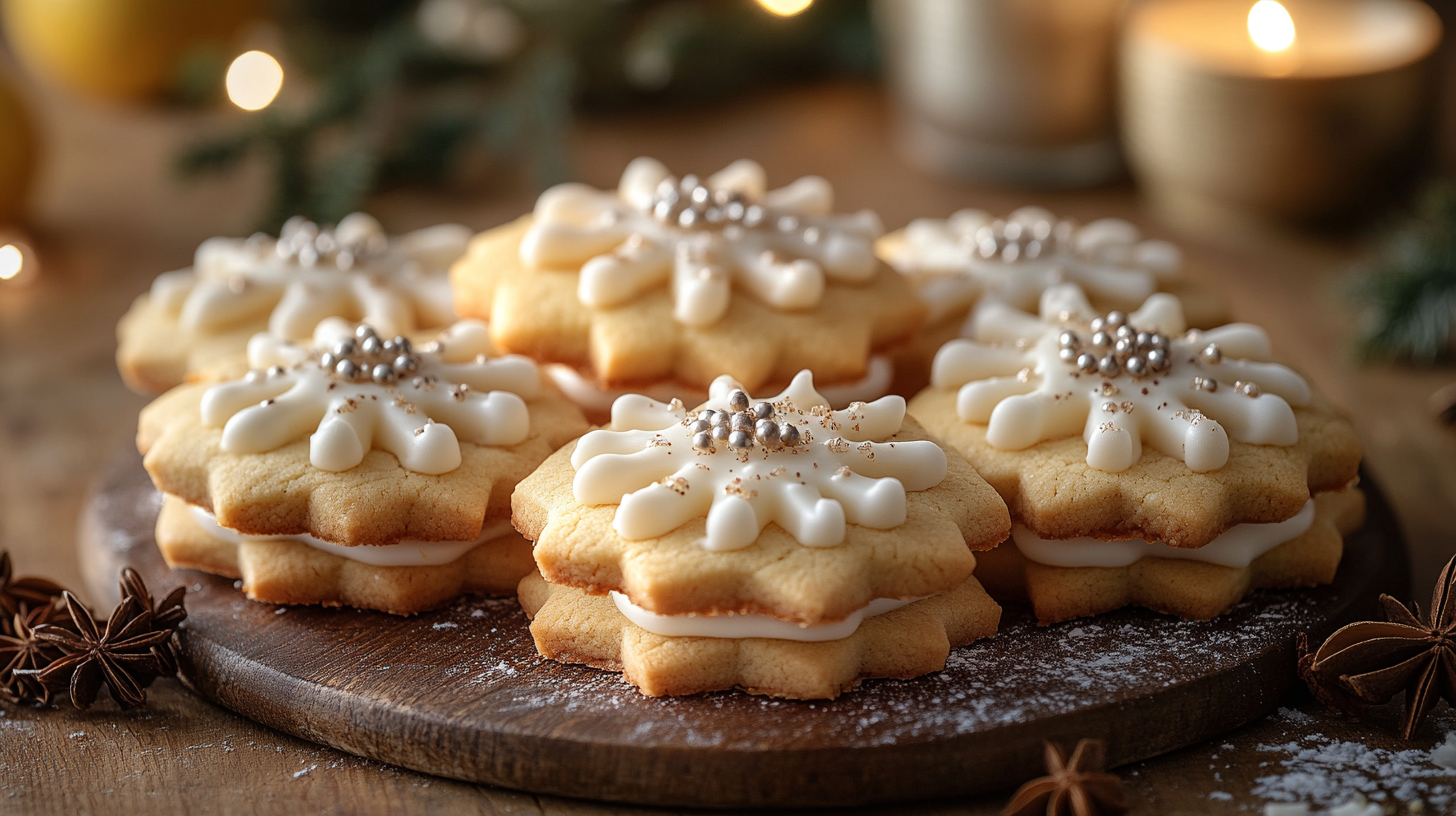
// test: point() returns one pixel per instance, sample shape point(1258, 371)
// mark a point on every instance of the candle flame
point(1270, 26)
point(785, 8)
point(253, 80)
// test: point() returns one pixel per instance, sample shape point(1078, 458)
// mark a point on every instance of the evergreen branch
point(1409, 291)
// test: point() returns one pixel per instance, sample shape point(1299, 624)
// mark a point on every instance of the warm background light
point(786, 8)
point(1270, 26)
point(253, 80)
point(11, 262)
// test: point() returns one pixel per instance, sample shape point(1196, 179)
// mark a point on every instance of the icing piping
point(1122, 380)
point(581, 390)
point(353, 270)
point(407, 553)
point(1013, 260)
point(359, 391)
point(701, 238)
point(752, 626)
point(1238, 546)
point(790, 460)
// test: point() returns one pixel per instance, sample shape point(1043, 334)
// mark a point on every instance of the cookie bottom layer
point(1191, 590)
point(281, 571)
point(573, 627)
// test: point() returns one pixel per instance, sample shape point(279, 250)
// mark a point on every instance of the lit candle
point(1300, 109)
point(18, 264)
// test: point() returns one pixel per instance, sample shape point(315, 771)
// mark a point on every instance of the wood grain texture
point(461, 692)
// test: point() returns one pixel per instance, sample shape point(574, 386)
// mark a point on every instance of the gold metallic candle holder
point(1226, 116)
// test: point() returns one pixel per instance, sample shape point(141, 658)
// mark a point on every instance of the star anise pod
point(167, 615)
point(21, 651)
point(1075, 787)
point(32, 592)
point(120, 655)
point(1369, 662)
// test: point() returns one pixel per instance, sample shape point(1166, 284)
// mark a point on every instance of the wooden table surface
point(110, 216)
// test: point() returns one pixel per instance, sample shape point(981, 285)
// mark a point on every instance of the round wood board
point(461, 692)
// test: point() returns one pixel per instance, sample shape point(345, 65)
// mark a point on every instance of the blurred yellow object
point(119, 50)
point(253, 80)
point(19, 152)
point(785, 8)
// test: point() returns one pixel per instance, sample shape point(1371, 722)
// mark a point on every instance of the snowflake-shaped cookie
point(702, 237)
point(357, 439)
point(361, 391)
point(743, 463)
point(731, 507)
point(1122, 380)
point(353, 271)
point(1013, 260)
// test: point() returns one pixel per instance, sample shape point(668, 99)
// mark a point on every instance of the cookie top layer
point(777, 507)
point(359, 440)
point(1013, 260)
point(677, 279)
point(1124, 426)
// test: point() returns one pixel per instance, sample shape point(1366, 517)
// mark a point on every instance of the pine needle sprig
point(1408, 293)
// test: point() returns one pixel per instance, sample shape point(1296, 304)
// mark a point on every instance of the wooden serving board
point(460, 692)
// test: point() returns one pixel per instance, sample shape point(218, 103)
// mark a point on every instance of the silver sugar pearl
point(405, 364)
point(763, 410)
point(388, 347)
point(720, 433)
point(737, 400)
point(703, 441)
point(765, 430)
point(1068, 340)
point(1116, 318)
point(347, 369)
point(1101, 339)
point(788, 435)
point(740, 440)
point(1159, 340)
point(1087, 362)
point(383, 374)
point(1098, 324)
point(1250, 390)
point(364, 331)
point(1125, 331)
point(1136, 366)
point(701, 426)
point(1211, 353)
point(742, 421)
point(328, 360)
point(1109, 366)
point(344, 348)
point(1208, 384)
point(401, 342)
point(371, 345)
point(1158, 360)
point(1067, 354)
point(1144, 340)
point(719, 418)
point(1124, 347)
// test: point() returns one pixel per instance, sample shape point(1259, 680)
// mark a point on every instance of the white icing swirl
point(1237, 546)
point(449, 391)
point(1020, 384)
point(580, 389)
point(353, 271)
point(1014, 260)
point(407, 553)
point(702, 239)
point(752, 626)
point(835, 475)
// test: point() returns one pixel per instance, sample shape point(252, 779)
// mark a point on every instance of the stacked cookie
point(1143, 463)
point(776, 545)
point(665, 283)
point(355, 469)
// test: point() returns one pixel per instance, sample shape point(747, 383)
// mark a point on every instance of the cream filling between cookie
point(752, 626)
point(407, 553)
point(1236, 547)
point(581, 390)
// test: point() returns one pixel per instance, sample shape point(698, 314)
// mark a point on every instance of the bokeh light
point(785, 8)
point(1270, 26)
point(253, 80)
